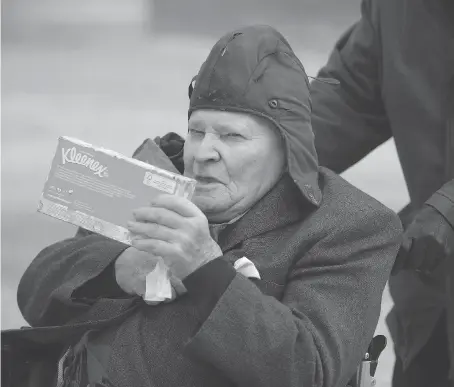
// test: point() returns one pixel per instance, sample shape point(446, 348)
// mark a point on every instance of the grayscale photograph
point(227, 193)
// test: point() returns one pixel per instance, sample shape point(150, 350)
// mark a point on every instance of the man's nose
point(207, 149)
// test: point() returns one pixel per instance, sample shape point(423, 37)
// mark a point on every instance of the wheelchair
point(363, 377)
point(365, 373)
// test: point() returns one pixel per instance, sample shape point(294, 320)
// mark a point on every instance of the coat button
point(273, 103)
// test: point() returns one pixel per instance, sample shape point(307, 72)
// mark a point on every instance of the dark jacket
point(323, 248)
point(307, 322)
point(396, 68)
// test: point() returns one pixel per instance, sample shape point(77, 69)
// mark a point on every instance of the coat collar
point(281, 206)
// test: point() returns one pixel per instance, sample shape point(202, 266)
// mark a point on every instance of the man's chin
point(207, 191)
point(206, 203)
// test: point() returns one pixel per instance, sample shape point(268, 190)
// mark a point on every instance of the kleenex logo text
point(72, 156)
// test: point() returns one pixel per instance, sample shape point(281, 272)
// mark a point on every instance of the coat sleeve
point(47, 292)
point(443, 202)
point(349, 120)
point(317, 334)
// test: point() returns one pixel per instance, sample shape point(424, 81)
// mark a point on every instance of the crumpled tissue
point(162, 286)
point(246, 267)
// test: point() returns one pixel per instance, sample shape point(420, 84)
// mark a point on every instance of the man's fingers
point(152, 230)
point(154, 246)
point(178, 204)
point(157, 215)
point(431, 255)
point(171, 255)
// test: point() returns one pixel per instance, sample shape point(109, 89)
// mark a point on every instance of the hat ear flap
point(191, 86)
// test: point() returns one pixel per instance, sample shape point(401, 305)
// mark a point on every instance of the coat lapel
point(281, 206)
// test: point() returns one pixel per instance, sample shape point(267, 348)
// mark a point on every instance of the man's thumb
point(402, 256)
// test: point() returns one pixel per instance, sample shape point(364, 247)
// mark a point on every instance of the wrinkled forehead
point(217, 120)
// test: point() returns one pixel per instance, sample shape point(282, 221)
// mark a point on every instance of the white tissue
point(157, 284)
point(162, 286)
point(246, 267)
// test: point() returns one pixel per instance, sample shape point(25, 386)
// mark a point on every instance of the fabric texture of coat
point(324, 251)
point(396, 68)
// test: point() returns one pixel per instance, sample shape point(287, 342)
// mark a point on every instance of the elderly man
point(396, 69)
point(322, 248)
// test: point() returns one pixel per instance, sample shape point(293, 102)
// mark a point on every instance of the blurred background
point(114, 72)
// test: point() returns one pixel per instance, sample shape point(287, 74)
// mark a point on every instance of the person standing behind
point(396, 73)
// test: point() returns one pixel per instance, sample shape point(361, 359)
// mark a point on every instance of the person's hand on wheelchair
point(427, 242)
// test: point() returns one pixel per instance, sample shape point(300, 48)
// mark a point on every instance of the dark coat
point(396, 68)
point(306, 323)
point(323, 248)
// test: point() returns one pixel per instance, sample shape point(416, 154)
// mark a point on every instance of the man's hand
point(131, 269)
point(428, 240)
point(175, 229)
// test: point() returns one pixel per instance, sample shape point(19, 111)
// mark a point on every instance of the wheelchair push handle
point(376, 347)
point(365, 375)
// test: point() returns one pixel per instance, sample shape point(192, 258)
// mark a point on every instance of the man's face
point(236, 158)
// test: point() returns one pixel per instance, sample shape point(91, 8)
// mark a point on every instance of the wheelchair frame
point(365, 373)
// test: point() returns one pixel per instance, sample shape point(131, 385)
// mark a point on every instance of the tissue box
point(97, 189)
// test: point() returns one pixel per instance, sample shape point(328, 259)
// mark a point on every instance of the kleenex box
point(97, 189)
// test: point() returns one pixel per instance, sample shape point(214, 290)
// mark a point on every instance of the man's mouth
point(206, 180)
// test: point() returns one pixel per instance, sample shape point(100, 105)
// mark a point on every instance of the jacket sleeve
point(443, 202)
point(47, 292)
point(317, 334)
point(349, 120)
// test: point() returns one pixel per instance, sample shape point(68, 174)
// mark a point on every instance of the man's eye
point(195, 132)
point(233, 135)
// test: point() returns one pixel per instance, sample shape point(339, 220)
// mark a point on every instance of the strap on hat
point(329, 81)
point(191, 86)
